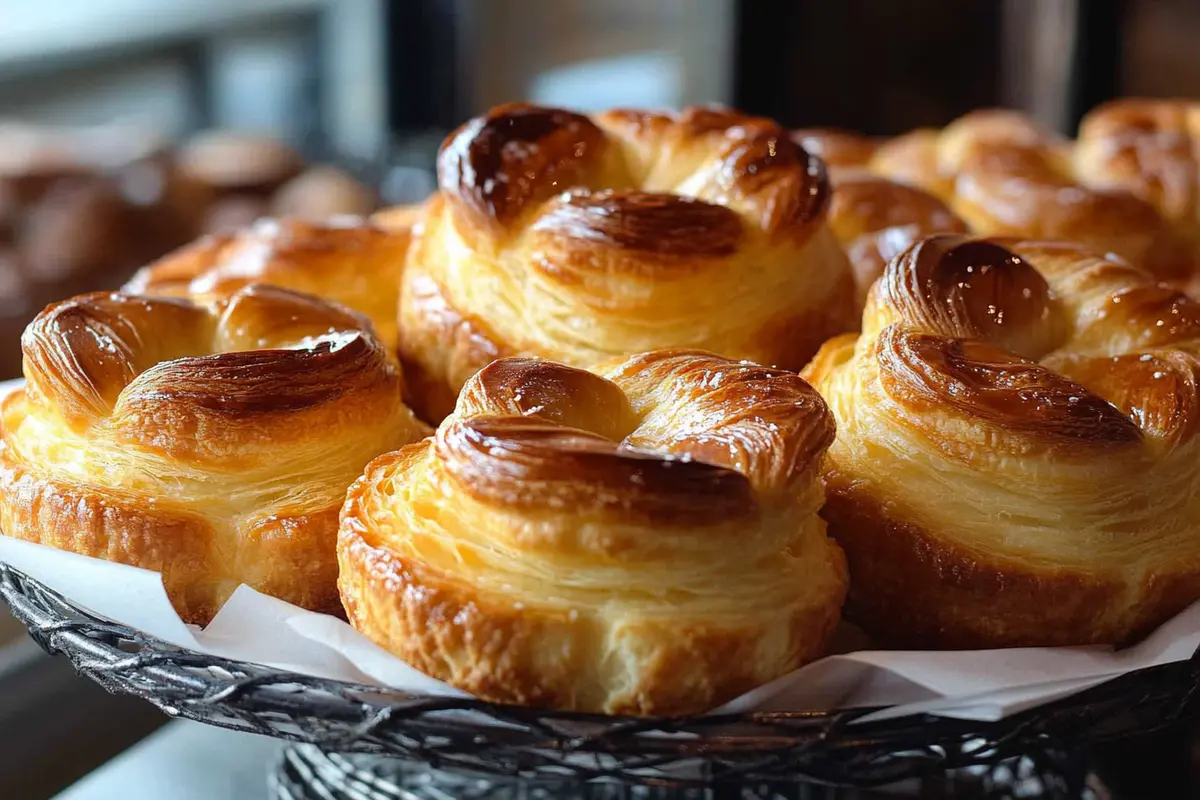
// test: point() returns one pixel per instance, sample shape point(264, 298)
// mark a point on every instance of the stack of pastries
point(628, 413)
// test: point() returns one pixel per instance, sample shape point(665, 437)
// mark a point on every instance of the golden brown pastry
point(212, 442)
point(876, 219)
point(1004, 176)
point(349, 261)
point(1016, 461)
point(643, 540)
point(579, 238)
point(1151, 148)
point(399, 218)
point(837, 147)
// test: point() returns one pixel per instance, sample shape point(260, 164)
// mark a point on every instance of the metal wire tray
point(513, 742)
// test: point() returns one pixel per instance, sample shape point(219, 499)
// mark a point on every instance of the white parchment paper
point(983, 684)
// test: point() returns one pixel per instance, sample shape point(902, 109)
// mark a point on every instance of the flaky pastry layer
point(1016, 461)
point(643, 541)
point(580, 239)
point(213, 443)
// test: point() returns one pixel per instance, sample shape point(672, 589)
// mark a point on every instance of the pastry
point(1016, 459)
point(80, 236)
point(838, 148)
point(876, 219)
point(580, 238)
point(229, 161)
point(1005, 176)
point(345, 260)
point(642, 540)
point(1151, 148)
point(321, 193)
point(399, 218)
point(213, 442)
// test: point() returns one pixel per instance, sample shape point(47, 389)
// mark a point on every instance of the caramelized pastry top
point(153, 369)
point(564, 540)
point(345, 259)
point(502, 168)
point(1037, 345)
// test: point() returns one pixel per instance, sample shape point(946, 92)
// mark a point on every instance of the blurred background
point(130, 127)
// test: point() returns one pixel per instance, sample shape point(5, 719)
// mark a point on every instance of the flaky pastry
point(1016, 461)
point(876, 219)
point(642, 540)
point(212, 442)
point(1005, 176)
point(346, 260)
point(1151, 148)
point(584, 238)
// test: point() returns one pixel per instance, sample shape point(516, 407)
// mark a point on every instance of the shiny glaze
point(84, 354)
point(652, 224)
point(964, 322)
point(682, 436)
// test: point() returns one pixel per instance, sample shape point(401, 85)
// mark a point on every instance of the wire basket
point(645, 756)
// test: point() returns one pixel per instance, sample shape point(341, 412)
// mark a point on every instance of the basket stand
point(306, 772)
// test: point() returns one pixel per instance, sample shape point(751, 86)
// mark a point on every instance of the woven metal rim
point(533, 743)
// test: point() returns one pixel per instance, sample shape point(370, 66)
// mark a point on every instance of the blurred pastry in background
point(229, 215)
point(233, 162)
point(323, 192)
point(82, 208)
point(1006, 176)
point(837, 147)
point(1150, 148)
point(876, 219)
point(81, 235)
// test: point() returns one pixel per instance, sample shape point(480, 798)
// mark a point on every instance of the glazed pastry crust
point(1005, 176)
point(1015, 462)
point(876, 219)
point(347, 260)
point(1150, 148)
point(581, 238)
point(212, 442)
point(564, 540)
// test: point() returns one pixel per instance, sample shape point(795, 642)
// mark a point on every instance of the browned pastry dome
point(1016, 461)
point(211, 442)
point(579, 238)
point(641, 540)
point(837, 147)
point(1151, 148)
point(876, 219)
point(1005, 176)
point(346, 260)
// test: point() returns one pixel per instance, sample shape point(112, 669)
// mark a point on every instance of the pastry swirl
point(1005, 176)
point(1152, 149)
point(579, 239)
point(347, 260)
point(212, 442)
point(876, 219)
point(564, 540)
point(1015, 462)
